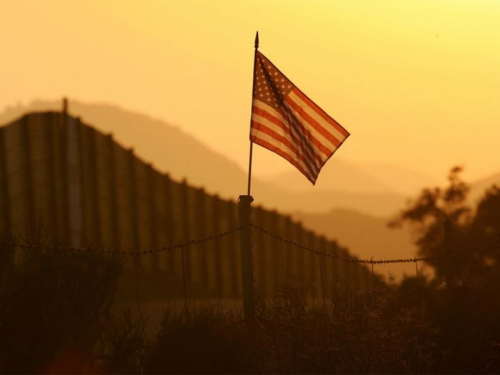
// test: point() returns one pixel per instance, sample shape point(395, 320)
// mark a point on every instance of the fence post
point(246, 256)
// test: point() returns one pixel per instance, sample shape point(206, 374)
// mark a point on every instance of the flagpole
point(250, 168)
point(244, 213)
point(253, 89)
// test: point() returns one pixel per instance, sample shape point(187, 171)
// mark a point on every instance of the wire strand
point(346, 259)
point(89, 249)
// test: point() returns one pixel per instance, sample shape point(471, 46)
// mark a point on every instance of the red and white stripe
point(299, 131)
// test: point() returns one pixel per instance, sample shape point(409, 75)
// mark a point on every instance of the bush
point(55, 306)
point(208, 340)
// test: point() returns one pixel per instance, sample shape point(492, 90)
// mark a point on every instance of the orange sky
point(415, 81)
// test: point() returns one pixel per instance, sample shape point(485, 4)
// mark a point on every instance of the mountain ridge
point(357, 219)
point(182, 156)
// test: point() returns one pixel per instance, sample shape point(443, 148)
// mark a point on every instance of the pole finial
point(257, 40)
point(65, 105)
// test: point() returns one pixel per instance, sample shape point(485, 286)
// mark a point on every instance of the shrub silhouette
point(55, 305)
point(57, 312)
point(208, 340)
point(463, 301)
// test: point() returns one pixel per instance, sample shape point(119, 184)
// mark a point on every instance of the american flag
point(287, 122)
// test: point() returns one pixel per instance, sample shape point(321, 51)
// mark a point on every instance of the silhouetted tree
point(468, 239)
point(440, 219)
point(462, 244)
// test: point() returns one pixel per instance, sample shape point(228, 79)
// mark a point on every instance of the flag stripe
point(310, 115)
point(322, 114)
point(287, 122)
point(283, 154)
point(262, 136)
point(272, 117)
point(308, 141)
point(259, 127)
point(297, 109)
point(308, 135)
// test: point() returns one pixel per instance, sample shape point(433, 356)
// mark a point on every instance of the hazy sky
point(416, 82)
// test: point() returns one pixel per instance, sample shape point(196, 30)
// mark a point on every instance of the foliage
point(346, 336)
point(288, 336)
point(445, 224)
point(123, 345)
point(57, 311)
point(439, 218)
point(54, 307)
point(463, 301)
point(208, 340)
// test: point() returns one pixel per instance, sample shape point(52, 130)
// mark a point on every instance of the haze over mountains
point(170, 150)
point(371, 178)
point(351, 203)
point(366, 236)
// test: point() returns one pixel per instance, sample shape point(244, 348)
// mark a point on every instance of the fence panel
point(288, 252)
point(170, 226)
point(74, 183)
point(260, 250)
point(97, 193)
point(38, 152)
point(232, 252)
point(159, 208)
point(314, 267)
point(179, 225)
point(5, 225)
point(150, 217)
point(276, 224)
point(142, 204)
point(17, 173)
point(200, 212)
point(104, 187)
point(215, 226)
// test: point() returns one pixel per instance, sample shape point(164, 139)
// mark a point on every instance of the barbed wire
point(317, 251)
point(182, 244)
point(90, 249)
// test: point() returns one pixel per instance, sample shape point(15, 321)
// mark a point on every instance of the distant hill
point(479, 187)
point(171, 150)
point(404, 180)
point(366, 236)
point(336, 175)
point(365, 178)
point(349, 203)
point(167, 147)
point(319, 201)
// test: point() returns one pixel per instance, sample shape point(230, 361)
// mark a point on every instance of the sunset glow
point(414, 81)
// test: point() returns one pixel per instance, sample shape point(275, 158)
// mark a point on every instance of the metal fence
point(92, 193)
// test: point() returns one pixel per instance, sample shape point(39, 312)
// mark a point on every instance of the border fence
point(93, 195)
